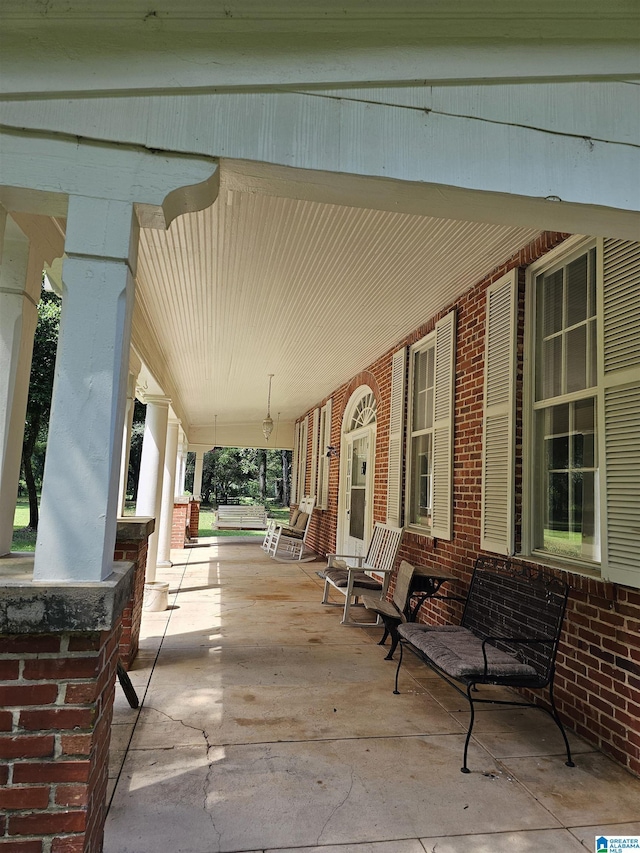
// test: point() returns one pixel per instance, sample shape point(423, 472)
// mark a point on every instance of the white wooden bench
point(249, 517)
point(353, 576)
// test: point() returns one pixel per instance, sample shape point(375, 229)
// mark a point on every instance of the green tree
point(36, 429)
point(232, 472)
point(135, 448)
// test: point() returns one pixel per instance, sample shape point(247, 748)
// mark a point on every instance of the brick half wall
point(132, 539)
point(56, 691)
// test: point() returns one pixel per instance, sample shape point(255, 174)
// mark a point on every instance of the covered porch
point(264, 725)
point(328, 196)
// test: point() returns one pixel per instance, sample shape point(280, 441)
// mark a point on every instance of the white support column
point(183, 468)
point(181, 464)
point(77, 530)
point(126, 443)
point(168, 495)
point(197, 474)
point(19, 294)
point(149, 501)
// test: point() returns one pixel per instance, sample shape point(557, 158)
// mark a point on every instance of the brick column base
point(194, 518)
point(58, 657)
point(57, 691)
point(131, 545)
point(180, 522)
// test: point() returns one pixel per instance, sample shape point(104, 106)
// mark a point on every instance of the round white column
point(18, 319)
point(168, 494)
point(149, 501)
point(181, 464)
point(77, 530)
point(197, 474)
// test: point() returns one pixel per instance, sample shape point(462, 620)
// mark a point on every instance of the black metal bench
point(508, 636)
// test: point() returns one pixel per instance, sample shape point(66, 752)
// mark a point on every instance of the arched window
point(364, 412)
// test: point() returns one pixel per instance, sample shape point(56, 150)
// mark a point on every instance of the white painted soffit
point(311, 292)
point(200, 44)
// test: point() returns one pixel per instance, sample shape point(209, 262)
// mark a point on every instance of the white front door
point(357, 462)
point(357, 503)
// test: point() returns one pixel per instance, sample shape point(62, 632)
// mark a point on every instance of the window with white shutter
point(302, 458)
point(619, 375)
point(430, 435)
point(294, 464)
point(396, 438)
point(565, 452)
point(313, 489)
point(584, 396)
point(322, 495)
point(498, 433)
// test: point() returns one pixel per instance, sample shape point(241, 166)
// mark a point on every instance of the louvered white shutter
point(620, 418)
point(313, 489)
point(294, 465)
point(302, 457)
point(498, 433)
point(325, 440)
point(445, 352)
point(396, 438)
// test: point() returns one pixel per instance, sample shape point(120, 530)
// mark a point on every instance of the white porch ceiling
point(311, 292)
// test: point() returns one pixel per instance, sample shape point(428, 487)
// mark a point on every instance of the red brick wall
point(136, 553)
point(598, 681)
point(179, 524)
point(56, 692)
point(194, 518)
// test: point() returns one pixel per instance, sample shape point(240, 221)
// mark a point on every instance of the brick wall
point(598, 681)
point(56, 692)
point(134, 551)
point(179, 523)
point(194, 518)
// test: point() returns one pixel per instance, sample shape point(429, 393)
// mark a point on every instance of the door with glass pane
point(356, 481)
point(356, 495)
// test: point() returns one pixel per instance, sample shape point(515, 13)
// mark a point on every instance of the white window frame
point(422, 346)
point(443, 340)
point(322, 493)
point(396, 438)
point(302, 459)
point(559, 257)
point(294, 464)
point(315, 430)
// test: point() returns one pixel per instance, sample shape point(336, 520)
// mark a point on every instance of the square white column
point(76, 534)
point(19, 293)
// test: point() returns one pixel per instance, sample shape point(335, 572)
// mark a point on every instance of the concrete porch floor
point(267, 726)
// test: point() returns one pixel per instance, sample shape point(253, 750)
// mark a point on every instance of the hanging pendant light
point(267, 423)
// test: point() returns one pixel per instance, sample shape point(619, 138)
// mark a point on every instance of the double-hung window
point(428, 491)
point(421, 433)
point(581, 498)
point(565, 410)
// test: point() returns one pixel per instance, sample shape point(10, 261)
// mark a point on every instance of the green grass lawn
point(24, 539)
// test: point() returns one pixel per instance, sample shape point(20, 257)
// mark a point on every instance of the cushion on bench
point(458, 652)
point(340, 578)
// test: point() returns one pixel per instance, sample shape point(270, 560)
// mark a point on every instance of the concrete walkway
point(265, 725)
